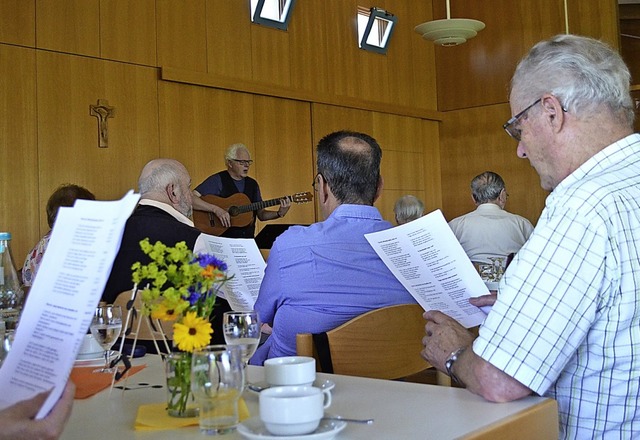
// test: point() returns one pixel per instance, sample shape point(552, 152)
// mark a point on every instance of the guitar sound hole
point(233, 211)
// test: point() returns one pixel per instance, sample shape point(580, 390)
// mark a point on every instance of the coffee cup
point(293, 410)
point(290, 370)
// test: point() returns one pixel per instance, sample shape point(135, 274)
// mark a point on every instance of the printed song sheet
point(62, 300)
point(425, 256)
point(244, 262)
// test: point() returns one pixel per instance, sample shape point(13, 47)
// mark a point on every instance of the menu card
point(62, 299)
point(244, 262)
point(425, 256)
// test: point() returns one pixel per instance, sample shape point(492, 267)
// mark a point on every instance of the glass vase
point(180, 400)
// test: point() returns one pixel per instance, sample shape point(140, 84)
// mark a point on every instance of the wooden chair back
point(383, 343)
point(143, 328)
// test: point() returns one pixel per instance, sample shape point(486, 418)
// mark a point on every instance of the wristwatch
point(448, 364)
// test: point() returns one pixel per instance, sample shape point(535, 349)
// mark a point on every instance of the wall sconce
point(374, 29)
point(272, 13)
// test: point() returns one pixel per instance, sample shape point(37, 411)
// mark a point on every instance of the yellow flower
point(164, 312)
point(192, 333)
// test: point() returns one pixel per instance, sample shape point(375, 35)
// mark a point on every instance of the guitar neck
point(256, 206)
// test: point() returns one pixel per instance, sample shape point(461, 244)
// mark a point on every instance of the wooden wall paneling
point(68, 134)
point(473, 141)
point(71, 26)
point(629, 45)
point(283, 154)
point(182, 34)
point(229, 38)
point(402, 172)
point(595, 18)
point(309, 47)
point(410, 59)
point(197, 124)
point(410, 161)
point(432, 166)
point(18, 22)
point(18, 148)
point(326, 119)
point(128, 31)
point(342, 47)
point(478, 72)
point(270, 55)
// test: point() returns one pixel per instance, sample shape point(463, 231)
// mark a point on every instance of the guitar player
point(231, 181)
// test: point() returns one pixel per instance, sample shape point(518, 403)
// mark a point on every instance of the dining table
point(401, 410)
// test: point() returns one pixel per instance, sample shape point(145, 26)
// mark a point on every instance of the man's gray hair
point(583, 73)
point(486, 187)
point(408, 208)
point(159, 177)
point(232, 151)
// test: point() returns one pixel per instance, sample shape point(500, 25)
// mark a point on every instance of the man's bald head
point(167, 181)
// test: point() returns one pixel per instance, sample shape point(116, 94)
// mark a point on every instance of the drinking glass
point(242, 329)
point(106, 326)
point(217, 381)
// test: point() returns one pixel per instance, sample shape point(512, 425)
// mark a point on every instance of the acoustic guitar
point(239, 208)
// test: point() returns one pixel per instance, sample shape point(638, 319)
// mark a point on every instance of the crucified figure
point(102, 111)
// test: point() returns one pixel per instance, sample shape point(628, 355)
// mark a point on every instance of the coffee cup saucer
point(254, 429)
point(323, 384)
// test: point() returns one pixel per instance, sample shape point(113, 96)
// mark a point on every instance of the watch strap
point(450, 361)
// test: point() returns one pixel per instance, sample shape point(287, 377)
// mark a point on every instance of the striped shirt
point(567, 321)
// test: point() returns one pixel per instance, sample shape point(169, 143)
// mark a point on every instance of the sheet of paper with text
point(70, 281)
point(244, 262)
point(425, 256)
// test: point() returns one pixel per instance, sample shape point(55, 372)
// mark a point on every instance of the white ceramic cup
point(290, 370)
point(89, 346)
point(293, 410)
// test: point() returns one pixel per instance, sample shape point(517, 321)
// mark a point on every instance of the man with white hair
point(490, 230)
point(566, 321)
point(163, 214)
point(235, 179)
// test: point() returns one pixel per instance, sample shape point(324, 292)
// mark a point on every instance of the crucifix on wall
point(102, 111)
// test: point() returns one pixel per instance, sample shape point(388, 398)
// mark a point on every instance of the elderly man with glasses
point(566, 322)
point(233, 180)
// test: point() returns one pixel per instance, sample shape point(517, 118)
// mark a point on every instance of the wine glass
point(243, 330)
point(106, 326)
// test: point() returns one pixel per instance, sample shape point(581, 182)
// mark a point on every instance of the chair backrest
point(147, 329)
point(383, 343)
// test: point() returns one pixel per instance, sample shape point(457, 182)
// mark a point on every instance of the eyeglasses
point(243, 162)
point(514, 129)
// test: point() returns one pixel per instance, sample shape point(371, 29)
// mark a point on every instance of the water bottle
point(11, 295)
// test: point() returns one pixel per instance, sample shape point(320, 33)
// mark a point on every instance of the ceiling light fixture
point(450, 31)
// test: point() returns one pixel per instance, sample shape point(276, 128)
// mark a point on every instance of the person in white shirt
point(490, 231)
point(566, 321)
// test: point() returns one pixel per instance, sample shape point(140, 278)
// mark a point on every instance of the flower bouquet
point(181, 287)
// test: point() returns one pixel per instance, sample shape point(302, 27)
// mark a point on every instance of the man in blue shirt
point(320, 276)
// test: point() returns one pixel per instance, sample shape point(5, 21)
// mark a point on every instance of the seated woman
point(65, 195)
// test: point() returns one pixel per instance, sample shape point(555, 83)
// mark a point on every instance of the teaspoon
point(344, 419)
